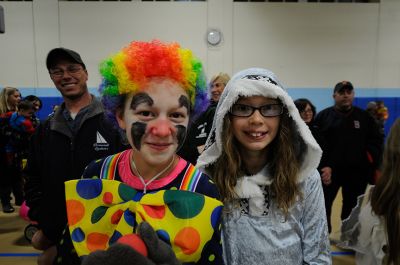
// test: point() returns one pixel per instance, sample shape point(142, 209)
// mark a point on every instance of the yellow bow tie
point(101, 211)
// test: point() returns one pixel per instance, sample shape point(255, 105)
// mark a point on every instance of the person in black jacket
point(201, 127)
point(77, 133)
point(354, 147)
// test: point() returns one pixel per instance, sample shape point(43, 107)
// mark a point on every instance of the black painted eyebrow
point(184, 102)
point(141, 98)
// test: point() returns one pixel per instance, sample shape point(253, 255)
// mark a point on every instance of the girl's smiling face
point(156, 120)
point(256, 132)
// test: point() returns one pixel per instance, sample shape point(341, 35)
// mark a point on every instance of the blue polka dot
point(77, 235)
point(215, 216)
point(138, 196)
point(130, 218)
point(116, 235)
point(89, 188)
point(164, 236)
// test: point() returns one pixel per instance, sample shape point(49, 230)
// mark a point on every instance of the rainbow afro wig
point(132, 68)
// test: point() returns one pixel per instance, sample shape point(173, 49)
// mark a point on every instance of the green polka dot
point(125, 192)
point(173, 188)
point(98, 213)
point(190, 204)
point(211, 257)
point(95, 177)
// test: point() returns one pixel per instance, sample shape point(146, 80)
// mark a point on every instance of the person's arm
point(323, 123)
point(324, 167)
point(315, 243)
point(33, 185)
point(375, 141)
point(27, 126)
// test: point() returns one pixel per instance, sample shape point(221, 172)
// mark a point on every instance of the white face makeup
point(155, 121)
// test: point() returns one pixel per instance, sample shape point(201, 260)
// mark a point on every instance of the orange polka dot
point(188, 239)
point(75, 211)
point(157, 212)
point(96, 241)
point(107, 198)
point(116, 216)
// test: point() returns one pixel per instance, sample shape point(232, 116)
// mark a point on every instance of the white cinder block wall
point(308, 45)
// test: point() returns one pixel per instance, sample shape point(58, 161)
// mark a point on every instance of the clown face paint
point(181, 135)
point(137, 131)
point(139, 128)
point(141, 98)
point(156, 120)
point(184, 102)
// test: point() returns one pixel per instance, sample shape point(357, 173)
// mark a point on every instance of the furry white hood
point(258, 82)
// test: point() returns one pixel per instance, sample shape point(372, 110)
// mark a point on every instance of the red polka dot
point(116, 217)
point(135, 242)
point(107, 198)
point(96, 241)
point(75, 211)
point(188, 239)
point(157, 212)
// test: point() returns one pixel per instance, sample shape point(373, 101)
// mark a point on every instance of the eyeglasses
point(268, 110)
point(306, 111)
point(71, 69)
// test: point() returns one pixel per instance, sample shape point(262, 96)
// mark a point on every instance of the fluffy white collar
point(250, 186)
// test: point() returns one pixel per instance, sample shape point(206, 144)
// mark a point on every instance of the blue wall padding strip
point(342, 253)
point(320, 97)
point(19, 254)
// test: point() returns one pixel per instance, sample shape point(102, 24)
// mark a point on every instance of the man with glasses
point(77, 133)
point(354, 148)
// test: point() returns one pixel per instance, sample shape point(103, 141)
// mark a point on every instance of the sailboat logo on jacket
point(101, 143)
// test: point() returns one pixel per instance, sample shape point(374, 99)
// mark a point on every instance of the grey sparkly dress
point(257, 232)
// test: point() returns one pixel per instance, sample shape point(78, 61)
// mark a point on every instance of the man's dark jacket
point(57, 155)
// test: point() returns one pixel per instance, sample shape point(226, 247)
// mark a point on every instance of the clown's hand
point(118, 253)
point(145, 249)
point(158, 251)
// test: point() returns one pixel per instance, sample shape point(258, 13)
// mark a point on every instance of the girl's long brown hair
point(284, 155)
point(385, 197)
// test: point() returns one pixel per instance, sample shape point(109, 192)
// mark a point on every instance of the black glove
point(159, 252)
point(120, 254)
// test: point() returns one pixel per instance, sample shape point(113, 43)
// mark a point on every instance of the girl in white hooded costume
point(263, 158)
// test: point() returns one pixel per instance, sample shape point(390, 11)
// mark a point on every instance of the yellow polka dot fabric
point(101, 211)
